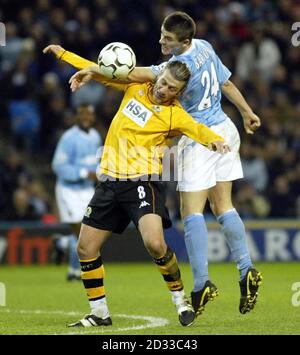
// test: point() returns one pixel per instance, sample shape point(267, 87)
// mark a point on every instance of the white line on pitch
point(152, 322)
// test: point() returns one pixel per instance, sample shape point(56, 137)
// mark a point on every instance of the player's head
point(85, 116)
point(177, 32)
point(171, 82)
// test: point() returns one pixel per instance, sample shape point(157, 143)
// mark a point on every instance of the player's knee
point(213, 208)
point(156, 246)
point(83, 251)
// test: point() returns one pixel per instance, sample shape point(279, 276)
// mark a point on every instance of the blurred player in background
point(204, 174)
point(115, 203)
point(74, 163)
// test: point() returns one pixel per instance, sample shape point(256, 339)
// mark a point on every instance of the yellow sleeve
point(74, 59)
point(183, 123)
point(81, 63)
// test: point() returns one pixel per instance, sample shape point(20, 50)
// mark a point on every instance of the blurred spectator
point(254, 167)
point(22, 209)
point(39, 198)
point(260, 55)
point(249, 203)
point(281, 199)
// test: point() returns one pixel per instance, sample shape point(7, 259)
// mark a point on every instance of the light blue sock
point(234, 230)
point(74, 263)
point(196, 242)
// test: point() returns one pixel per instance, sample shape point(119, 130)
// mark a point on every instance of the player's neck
point(84, 129)
point(186, 48)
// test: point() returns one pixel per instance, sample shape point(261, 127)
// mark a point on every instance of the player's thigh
point(220, 197)
point(139, 198)
point(151, 229)
point(103, 211)
point(192, 202)
point(91, 241)
point(229, 167)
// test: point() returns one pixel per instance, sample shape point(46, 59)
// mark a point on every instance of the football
point(116, 60)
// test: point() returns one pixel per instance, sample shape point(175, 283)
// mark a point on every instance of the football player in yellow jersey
point(148, 116)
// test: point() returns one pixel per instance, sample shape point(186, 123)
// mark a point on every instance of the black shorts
point(116, 203)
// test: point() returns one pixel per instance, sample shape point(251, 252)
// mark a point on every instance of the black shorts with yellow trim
point(116, 203)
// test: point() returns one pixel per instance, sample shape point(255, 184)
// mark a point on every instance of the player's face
point(170, 44)
point(85, 117)
point(166, 88)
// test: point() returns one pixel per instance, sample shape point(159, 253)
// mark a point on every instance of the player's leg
point(196, 166)
point(151, 229)
point(98, 222)
point(234, 230)
point(90, 243)
point(72, 205)
point(79, 205)
point(231, 224)
point(228, 169)
point(196, 241)
point(195, 234)
point(74, 265)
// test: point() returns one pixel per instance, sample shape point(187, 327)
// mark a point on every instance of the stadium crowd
point(253, 39)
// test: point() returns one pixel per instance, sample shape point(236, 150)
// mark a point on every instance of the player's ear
point(187, 42)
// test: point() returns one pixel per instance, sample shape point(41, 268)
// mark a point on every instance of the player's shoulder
point(203, 43)
point(137, 86)
point(69, 133)
point(95, 133)
point(177, 107)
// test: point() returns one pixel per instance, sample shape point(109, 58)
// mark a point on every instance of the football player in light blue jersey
point(203, 102)
point(203, 174)
point(75, 163)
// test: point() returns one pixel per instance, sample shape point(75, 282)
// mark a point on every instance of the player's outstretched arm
point(141, 75)
point(68, 57)
point(183, 123)
point(233, 94)
point(89, 70)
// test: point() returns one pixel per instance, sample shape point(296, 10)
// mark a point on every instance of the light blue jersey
point(75, 156)
point(202, 97)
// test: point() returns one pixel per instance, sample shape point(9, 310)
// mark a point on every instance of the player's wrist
point(60, 53)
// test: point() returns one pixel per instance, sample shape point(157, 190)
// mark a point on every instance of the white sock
point(177, 296)
point(99, 308)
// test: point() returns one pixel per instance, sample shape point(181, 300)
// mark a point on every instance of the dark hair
point(179, 71)
point(83, 105)
point(181, 24)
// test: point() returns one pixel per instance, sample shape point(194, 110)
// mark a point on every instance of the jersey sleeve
point(223, 73)
point(81, 63)
point(74, 59)
point(183, 123)
point(156, 69)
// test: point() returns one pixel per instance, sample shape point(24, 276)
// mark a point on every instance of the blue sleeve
point(223, 73)
point(62, 163)
point(156, 69)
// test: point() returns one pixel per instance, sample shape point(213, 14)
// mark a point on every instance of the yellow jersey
point(139, 132)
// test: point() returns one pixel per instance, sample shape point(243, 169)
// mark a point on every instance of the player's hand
point(79, 79)
point(251, 122)
point(219, 147)
point(53, 49)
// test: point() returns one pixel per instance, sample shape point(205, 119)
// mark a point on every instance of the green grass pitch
point(40, 301)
